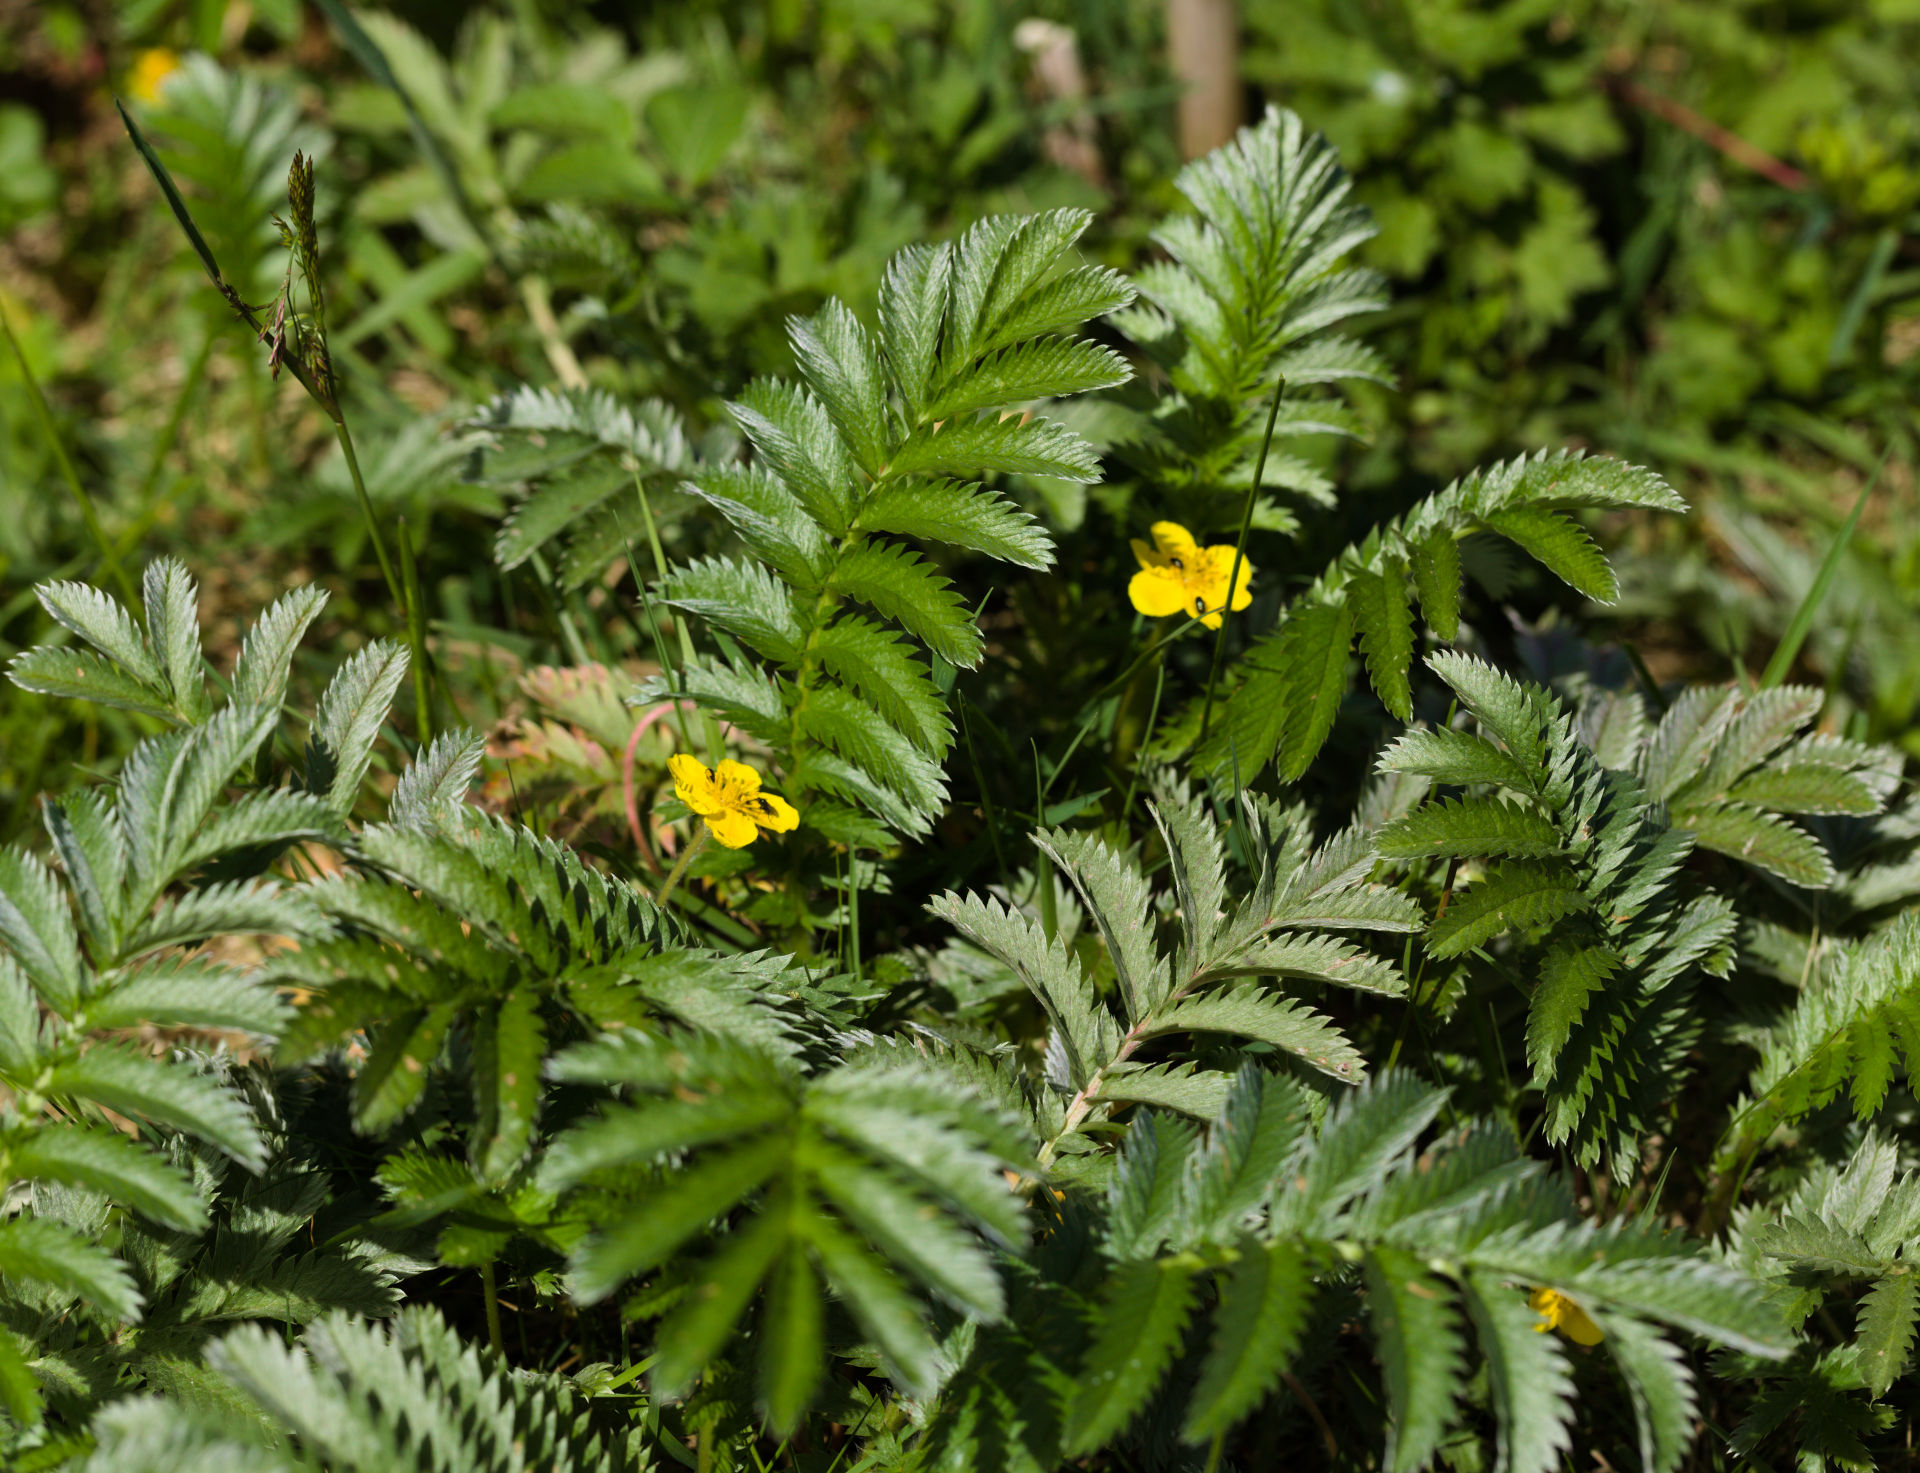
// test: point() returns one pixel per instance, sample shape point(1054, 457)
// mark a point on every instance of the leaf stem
point(1240, 554)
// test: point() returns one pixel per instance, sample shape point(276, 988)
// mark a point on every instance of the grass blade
point(1802, 623)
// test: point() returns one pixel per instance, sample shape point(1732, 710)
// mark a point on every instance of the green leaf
point(1250, 1012)
point(913, 299)
point(394, 1075)
point(39, 1250)
point(1046, 369)
point(1121, 905)
point(924, 1242)
point(173, 631)
point(1883, 1335)
point(171, 1093)
point(19, 1388)
point(795, 436)
point(1011, 443)
point(845, 371)
point(1515, 715)
point(1661, 1385)
point(1520, 895)
point(266, 655)
point(903, 588)
point(104, 623)
point(741, 598)
point(793, 1351)
point(1805, 787)
point(1367, 1131)
point(38, 929)
point(1455, 757)
point(1563, 545)
point(846, 724)
point(1528, 1374)
point(1416, 1331)
point(1470, 828)
point(768, 520)
point(648, 1235)
point(558, 501)
point(1256, 1330)
point(1385, 622)
point(435, 785)
point(1435, 559)
point(883, 668)
point(962, 514)
point(81, 675)
point(691, 1338)
point(1761, 839)
point(509, 1046)
point(1569, 976)
point(105, 1161)
point(885, 1313)
point(1138, 1330)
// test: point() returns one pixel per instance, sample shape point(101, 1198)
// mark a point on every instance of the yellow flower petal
point(1158, 592)
point(1557, 1312)
point(776, 813)
point(1219, 564)
point(1176, 545)
point(151, 68)
point(693, 784)
point(732, 828)
point(1147, 555)
point(737, 776)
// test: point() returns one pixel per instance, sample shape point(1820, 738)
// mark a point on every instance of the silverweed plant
point(1349, 1040)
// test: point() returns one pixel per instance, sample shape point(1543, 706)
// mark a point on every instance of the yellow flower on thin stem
point(1178, 576)
point(151, 68)
point(1557, 1312)
point(729, 799)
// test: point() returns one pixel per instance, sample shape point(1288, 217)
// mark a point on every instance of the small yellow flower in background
point(1557, 1312)
point(729, 799)
point(1178, 576)
point(151, 68)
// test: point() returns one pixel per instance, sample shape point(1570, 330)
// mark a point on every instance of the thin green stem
point(1239, 555)
point(416, 640)
point(110, 560)
point(493, 1307)
point(667, 885)
point(345, 436)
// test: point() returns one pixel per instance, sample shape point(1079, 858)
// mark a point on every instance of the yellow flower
point(1178, 576)
point(1557, 1312)
point(151, 68)
point(729, 799)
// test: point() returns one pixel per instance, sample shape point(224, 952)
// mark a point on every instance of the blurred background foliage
point(1674, 230)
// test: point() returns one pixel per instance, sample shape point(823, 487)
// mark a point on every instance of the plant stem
point(680, 867)
point(416, 640)
point(109, 559)
point(345, 436)
point(1239, 555)
point(493, 1307)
